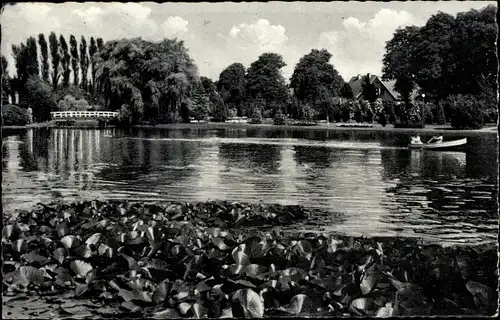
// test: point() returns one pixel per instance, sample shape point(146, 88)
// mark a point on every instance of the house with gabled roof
point(385, 89)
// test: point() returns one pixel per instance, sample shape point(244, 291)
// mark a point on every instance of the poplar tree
point(65, 60)
point(75, 61)
point(45, 57)
point(84, 62)
point(55, 59)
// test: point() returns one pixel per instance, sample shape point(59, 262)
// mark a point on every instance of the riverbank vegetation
point(158, 82)
point(196, 260)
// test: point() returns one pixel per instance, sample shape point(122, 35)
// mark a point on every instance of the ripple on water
point(365, 185)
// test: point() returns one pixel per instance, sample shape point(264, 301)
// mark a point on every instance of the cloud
point(358, 47)
point(261, 35)
point(108, 21)
point(174, 26)
point(245, 42)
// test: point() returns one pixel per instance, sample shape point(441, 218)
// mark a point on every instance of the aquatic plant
point(203, 260)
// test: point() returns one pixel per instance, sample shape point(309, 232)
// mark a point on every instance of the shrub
point(13, 115)
point(219, 111)
point(439, 115)
point(427, 110)
point(71, 103)
point(308, 112)
point(409, 125)
point(233, 112)
point(280, 118)
point(358, 113)
point(389, 111)
point(256, 116)
point(78, 93)
point(465, 112)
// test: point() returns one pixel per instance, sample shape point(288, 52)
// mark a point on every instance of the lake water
point(366, 183)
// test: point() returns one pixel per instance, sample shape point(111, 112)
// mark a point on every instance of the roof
point(356, 84)
point(389, 85)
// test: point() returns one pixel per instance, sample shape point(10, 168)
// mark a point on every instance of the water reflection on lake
point(376, 185)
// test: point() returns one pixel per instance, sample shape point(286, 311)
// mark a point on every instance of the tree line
point(452, 60)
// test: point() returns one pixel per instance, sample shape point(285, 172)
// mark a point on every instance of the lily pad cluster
point(197, 261)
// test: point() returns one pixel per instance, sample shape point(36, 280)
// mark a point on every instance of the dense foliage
point(447, 56)
point(205, 260)
point(13, 115)
point(465, 112)
point(265, 81)
point(69, 103)
point(40, 98)
point(157, 82)
point(315, 81)
point(154, 79)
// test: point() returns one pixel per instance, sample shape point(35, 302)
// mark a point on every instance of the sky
point(218, 34)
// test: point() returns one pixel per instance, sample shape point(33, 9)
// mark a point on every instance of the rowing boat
point(441, 145)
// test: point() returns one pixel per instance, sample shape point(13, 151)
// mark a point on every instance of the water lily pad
point(59, 254)
point(19, 245)
point(93, 239)
point(34, 257)
point(369, 280)
point(247, 303)
point(70, 242)
point(168, 313)
point(241, 258)
point(483, 295)
point(80, 268)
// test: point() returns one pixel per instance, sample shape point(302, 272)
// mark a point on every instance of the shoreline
point(446, 130)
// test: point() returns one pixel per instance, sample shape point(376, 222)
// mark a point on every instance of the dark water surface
point(368, 183)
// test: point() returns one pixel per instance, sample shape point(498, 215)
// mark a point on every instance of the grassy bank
point(101, 259)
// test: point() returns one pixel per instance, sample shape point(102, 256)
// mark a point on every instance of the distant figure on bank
point(416, 140)
point(436, 139)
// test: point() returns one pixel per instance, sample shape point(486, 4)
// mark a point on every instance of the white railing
point(83, 114)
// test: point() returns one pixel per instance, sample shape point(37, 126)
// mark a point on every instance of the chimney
point(358, 77)
point(368, 74)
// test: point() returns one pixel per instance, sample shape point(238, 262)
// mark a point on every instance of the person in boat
point(436, 139)
point(416, 140)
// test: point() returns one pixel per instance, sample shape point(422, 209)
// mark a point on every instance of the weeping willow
point(149, 79)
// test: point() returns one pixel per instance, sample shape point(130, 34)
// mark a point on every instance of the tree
point(315, 80)
point(25, 57)
point(264, 79)
point(65, 60)
point(5, 81)
point(75, 61)
point(44, 50)
point(55, 58)
point(208, 85)
point(231, 85)
point(474, 53)
point(38, 96)
point(100, 44)
point(346, 91)
point(199, 104)
point(447, 56)
point(33, 68)
point(398, 61)
point(433, 57)
point(369, 90)
point(149, 78)
point(84, 62)
point(92, 52)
